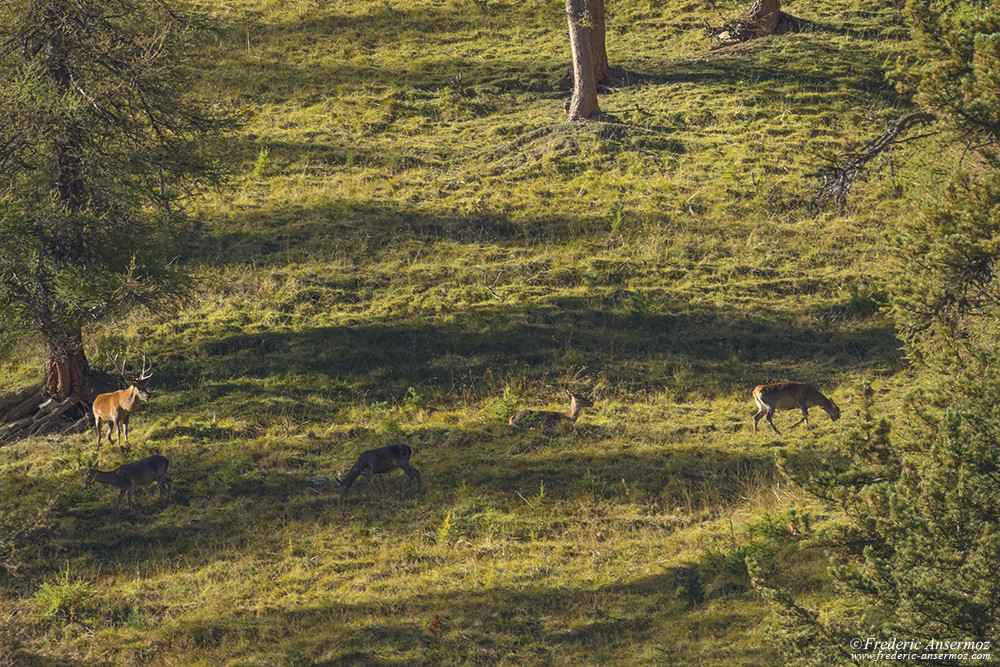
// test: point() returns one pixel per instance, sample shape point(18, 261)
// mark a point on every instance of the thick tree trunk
point(763, 16)
point(65, 362)
point(598, 47)
point(65, 366)
point(583, 105)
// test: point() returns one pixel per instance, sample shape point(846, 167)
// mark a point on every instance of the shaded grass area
point(493, 564)
point(417, 247)
point(690, 354)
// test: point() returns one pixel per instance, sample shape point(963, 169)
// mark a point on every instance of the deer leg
point(168, 483)
point(757, 417)
point(805, 416)
point(125, 427)
point(118, 502)
point(111, 426)
point(412, 473)
point(368, 478)
point(770, 414)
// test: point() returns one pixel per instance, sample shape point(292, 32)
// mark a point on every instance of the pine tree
point(919, 547)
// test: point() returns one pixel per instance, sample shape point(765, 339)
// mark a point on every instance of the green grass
point(416, 246)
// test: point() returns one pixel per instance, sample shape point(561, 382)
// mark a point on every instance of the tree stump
point(762, 17)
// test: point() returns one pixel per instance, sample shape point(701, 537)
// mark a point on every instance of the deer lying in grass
point(130, 475)
point(550, 419)
point(788, 396)
point(116, 407)
point(377, 462)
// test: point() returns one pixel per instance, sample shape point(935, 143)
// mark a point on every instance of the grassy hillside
point(415, 247)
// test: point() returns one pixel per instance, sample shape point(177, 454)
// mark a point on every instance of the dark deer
point(377, 462)
point(117, 406)
point(788, 396)
point(130, 475)
point(550, 419)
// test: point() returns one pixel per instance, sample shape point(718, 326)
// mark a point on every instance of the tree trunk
point(763, 16)
point(65, 361)
point(583, 106)
point(65, 366)
point(598, 48)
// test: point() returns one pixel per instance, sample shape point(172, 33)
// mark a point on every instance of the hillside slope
point(417, 246)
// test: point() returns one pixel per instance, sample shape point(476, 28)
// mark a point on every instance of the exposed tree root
point(29, 417)
point(28, 411)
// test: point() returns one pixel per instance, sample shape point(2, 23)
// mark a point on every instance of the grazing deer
point(550, 419)
point(788, 396)
point(130, 475)
point(116, 407)
point(378, 461)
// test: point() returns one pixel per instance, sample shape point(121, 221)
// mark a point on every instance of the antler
point(118, 363)
point(147, 369)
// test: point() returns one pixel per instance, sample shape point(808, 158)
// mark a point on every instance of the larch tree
point(99, 138)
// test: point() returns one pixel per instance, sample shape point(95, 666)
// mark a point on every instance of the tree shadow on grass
point(213, 517)
point(709, 352)
point(524, 622)
point(279, 236)
point(763, 74)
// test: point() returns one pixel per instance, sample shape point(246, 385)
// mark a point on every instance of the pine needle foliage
point(917, 551)
point(99, 139)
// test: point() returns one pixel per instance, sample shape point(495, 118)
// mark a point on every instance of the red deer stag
point(788, 396)
point(116, 407)
point(377, 462)
point(130, 475)
point(550, 419)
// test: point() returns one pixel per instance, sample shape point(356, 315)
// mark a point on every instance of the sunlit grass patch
point(414, 248)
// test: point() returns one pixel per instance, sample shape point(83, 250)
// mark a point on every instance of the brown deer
point(550, 419)
point(788, 396)
point(116, 407)
point(377, 462)
point(130, 475)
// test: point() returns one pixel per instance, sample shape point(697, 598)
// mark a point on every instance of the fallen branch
point(836, 181)
point(489, 288)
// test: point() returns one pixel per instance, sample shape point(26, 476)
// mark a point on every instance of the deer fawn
point(116, 407)
point(550, 419)
point(788, 396)
point(378, 461)
point(130, 475)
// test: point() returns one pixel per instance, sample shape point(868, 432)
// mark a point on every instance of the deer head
point(139, 382)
